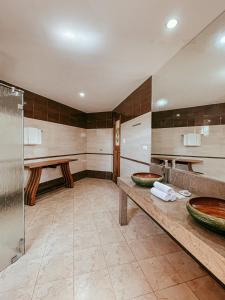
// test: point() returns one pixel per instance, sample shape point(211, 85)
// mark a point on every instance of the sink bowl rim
point(146, 181)
point(211, 222)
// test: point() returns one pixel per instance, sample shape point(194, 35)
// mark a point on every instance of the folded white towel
point(162, 187)
point(162, 195)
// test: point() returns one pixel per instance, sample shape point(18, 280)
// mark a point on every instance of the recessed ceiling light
point(172, 23)
point(82, 94)
point(222, 40)
point(161, 102)
point(69, 34)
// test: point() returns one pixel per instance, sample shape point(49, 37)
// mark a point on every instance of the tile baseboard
point(51, 185)
point(99, 174)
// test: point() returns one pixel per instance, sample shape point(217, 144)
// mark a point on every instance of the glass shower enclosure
point(11, 176)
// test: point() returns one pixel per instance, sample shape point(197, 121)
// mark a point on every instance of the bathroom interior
point(112, 165)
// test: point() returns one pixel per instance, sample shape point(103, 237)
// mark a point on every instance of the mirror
point(188, 119)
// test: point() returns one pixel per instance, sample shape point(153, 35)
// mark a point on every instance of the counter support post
point(122, 208)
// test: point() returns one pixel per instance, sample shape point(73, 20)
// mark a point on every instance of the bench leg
point(122, 208)
point(65, 168)
point(32, 186)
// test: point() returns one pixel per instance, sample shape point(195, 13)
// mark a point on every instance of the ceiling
point(195, 76)
point(105, 48)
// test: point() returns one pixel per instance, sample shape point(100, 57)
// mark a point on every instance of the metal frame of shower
point(20, 107)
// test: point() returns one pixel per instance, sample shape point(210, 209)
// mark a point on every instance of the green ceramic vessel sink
point(208, 211)
point(146, 179)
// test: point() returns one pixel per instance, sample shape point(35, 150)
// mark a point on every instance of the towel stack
point(163, 192)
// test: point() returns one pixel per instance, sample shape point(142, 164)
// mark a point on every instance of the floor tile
point(159, 272)
point(54, 290)
point(128, 281)
point(22, 274)
point(140, 231)
point(109, 236)
point(84, 222)
point(17, 294)
point(86, 239)
point(206, 288)
point(59, 245)
point(143, 249)
point(185, 266)
point(77, 250)
point(116, 254)
point(56, 267)
point(178, 292)
point(150, 296)
point(88, 260)
point(104, 221)
point(94, 286)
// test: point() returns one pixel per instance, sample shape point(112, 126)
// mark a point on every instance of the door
point(11, 176)
point(116, 147)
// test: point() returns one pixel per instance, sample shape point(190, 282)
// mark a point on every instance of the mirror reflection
point(188, 119)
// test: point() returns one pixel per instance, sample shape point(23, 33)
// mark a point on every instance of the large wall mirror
point(188, 120)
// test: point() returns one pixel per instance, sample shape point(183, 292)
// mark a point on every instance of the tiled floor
point(76, 250)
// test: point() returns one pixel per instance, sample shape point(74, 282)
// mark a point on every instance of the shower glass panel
point(11, 176)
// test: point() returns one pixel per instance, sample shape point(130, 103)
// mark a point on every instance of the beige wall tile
point(127, 167)
point(57, 139)
point(136, 144)
point(136, 140)
point(170, 141)
point(100, 140)
point(99, 162)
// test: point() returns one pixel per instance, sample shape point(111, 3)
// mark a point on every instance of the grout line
point(42, 259)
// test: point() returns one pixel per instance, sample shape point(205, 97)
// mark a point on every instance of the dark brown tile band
point(94, 153)
point(137, 103)
point(205, 115)
point(99, 120)
point(52, 156)
point(99, 174)
point(63, 155)
point(45, 109)
point(137, 161)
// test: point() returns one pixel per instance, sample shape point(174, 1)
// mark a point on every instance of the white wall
point(100, 141)
point(57, 139)
point(136, 144)
point(170, 141)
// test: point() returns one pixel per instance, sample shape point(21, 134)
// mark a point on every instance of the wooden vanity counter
point(206, 246)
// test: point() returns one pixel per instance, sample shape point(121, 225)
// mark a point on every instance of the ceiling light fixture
point(222, 40)
point(172, 23)
point(82, 94)
point(69, 35)
point(161, 102)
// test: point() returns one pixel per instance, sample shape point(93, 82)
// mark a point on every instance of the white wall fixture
point(192, 139)
point(32, 136)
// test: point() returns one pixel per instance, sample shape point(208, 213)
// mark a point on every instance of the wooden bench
point(35, 176)
point(176, 159)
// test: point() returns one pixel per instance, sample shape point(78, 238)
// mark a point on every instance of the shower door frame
point(21, 242)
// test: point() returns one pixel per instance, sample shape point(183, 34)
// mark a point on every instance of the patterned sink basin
point(209, 211)
point(146, 179)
